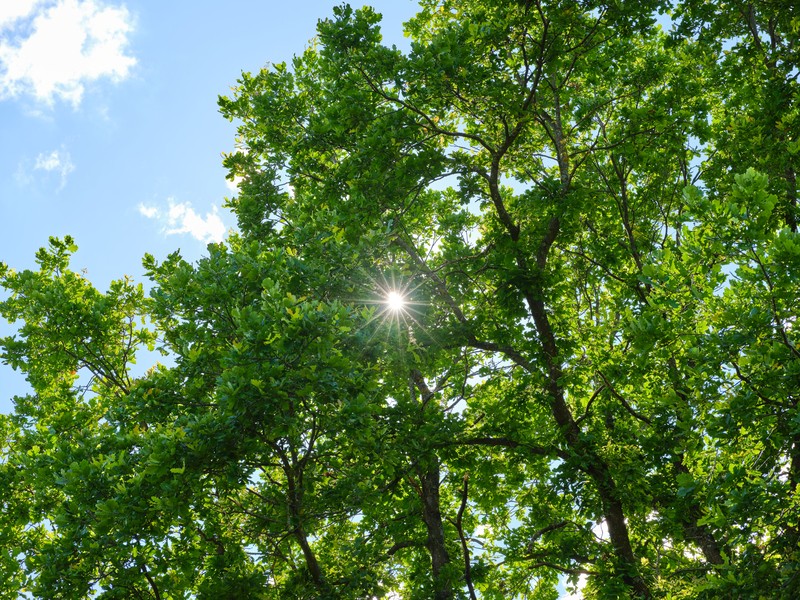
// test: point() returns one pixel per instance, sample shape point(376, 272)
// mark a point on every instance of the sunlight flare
point(395, 301)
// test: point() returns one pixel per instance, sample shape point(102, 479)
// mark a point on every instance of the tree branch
point(464, 547)
point(151, 582)
point(622, 400)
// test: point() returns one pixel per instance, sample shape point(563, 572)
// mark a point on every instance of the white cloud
point(180, 218)
point(57, 161)
point(600, 530)
point(233, 184)
point(54, 162)
point(183, 219)
point(151, 212)
point(14, 10)
point(50, 49)
point(577, 592)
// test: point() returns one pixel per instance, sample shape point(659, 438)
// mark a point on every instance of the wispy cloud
point(57, 161)
point(50, 49)
point(181, 218)
point(151, 212)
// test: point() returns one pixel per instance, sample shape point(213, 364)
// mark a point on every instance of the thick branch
point(151, 582)
point(545, 451)
point(401, 546)
point(311, 560)
point(464, 546)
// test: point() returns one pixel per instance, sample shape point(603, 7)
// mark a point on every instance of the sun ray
point(399, 311)
point(395, 301)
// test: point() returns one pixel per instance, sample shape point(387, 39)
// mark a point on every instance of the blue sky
point(109, 129)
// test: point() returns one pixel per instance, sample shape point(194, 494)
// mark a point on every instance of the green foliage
point(595, 380)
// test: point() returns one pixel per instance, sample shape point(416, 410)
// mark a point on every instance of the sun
point(395, 301)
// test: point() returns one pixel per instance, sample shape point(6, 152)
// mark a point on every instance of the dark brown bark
point(428, 491)
point(794, 464)
point(151, 582)
point(598, 471)
point(311, 560)
point(295, 497)
point(793, 531)
point(431, 514)
point(699, 534)
point(464, 546)
point(692, 513)
point(595, 467)
point(791, 192)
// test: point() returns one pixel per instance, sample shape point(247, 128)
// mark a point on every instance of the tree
point(594, 378)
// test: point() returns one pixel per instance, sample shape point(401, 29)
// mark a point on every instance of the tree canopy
point(512, 310)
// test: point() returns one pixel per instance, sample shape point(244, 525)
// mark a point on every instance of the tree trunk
point(295, 498)
point(699, 534)
point(791, 193)
point(596, 468)
point(311, 560)
point(433, 521)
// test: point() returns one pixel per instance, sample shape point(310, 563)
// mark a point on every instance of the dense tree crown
point(592, 378)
